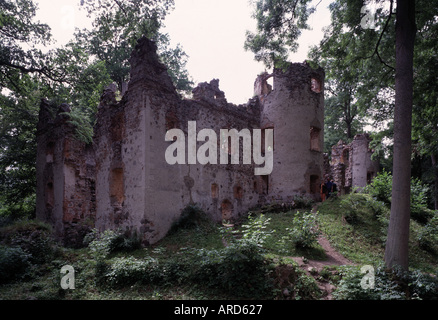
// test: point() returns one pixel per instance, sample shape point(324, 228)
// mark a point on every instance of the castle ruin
point(351, 165)
point(122, 180)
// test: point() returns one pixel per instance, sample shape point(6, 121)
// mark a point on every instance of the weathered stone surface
point(351, 164)
point(123, 180)
point(296, 113)
point(65, 172)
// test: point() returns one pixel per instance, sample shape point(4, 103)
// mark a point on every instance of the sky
point(211, 32)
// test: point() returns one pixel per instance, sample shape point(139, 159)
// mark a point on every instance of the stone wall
point(351, 164)
point(123, 179)
point(65, 176)
point(295, 110)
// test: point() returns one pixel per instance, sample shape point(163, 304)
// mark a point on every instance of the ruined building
point(122, 180)
point(351, 164)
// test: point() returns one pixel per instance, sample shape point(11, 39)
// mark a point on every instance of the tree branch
point(376, 49)
point(44, 71)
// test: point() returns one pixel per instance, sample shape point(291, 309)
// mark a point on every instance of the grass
point(363, 241)
point(358, 242)
point(279, 222)
point(354, 225)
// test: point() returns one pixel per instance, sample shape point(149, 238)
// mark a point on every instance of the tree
point(18, 117)
point(19, 36)
point(117, 26)
point(425, 112)
point(357, 89)
point(75, 74)
point(396, 250)
point(279, 24)
point(22, 66)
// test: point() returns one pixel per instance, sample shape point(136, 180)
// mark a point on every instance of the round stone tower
point(295, 110)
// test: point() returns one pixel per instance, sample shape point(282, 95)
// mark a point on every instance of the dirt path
point(314, 267)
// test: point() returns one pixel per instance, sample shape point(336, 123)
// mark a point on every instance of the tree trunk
point(435, 177)
point(348, 119)
point(396, 251)
point(349, 135)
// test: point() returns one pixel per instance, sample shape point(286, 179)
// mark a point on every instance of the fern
point(83, 128)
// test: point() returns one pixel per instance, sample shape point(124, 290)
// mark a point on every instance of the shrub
point(422, 286)
point(111, 241)
point(255, 229)
point(419, 211)
point(243, 270)
point(350, 206)
point(388, 285)
point(298, 202)
point(14, 263)
point(304, 232)
point(276, 207)
point(191, 217)
point(239, 270)
point(428, 236)
point(126, 271)
point(100, 270)
point(350, 288)
point(33, 237)
point(381, 187)
point(306, 288)
point(293, 283)
point(302, 202)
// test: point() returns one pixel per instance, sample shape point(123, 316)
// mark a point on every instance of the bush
point(239, 270)
point(299, 202)
point(111, 241)
point(428, 236)
point(255, 229)
point(306, 288)
point(381, 188)
point(191, 217)
point(14, 263)
point(33, 237)
point(302, 202)
point(128, 271)
point(350, 288)
point(388, 285)
point(422, 286)
point(419, 210)
point(305, 232)
point(243, 270)
point(350, 206)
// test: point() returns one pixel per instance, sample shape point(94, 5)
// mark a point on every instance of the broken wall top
point(147, 68)
point(50, 118)
point(148, 73)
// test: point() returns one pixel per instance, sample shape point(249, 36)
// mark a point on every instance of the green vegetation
point(75, 74)
point(356, 225)
point(201, 260)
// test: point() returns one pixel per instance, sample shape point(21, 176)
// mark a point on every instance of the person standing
point(334, 188)
point(329, 187)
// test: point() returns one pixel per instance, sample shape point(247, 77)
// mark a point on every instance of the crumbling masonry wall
point(351, 164)
point(295, 110)
point(65, 176)
point(123, 181)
